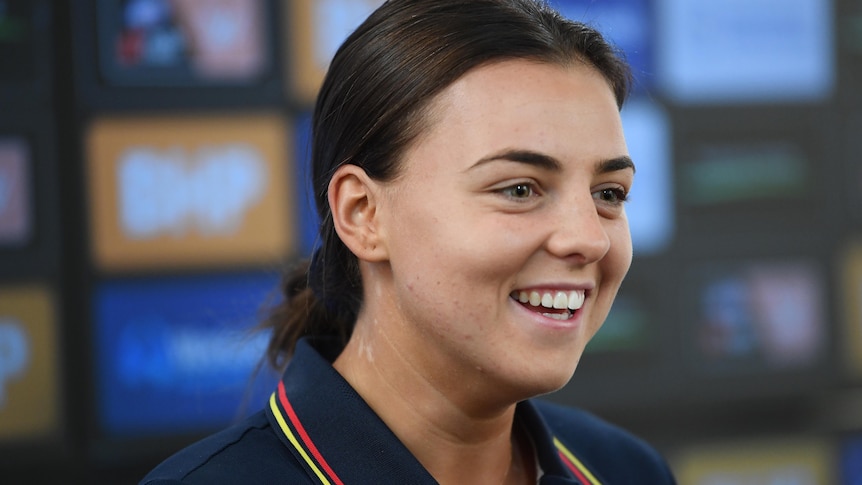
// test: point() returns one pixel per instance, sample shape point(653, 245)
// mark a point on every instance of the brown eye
point(519, 191)
point(611, 196)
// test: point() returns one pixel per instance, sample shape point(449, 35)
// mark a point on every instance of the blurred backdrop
point(152, 159)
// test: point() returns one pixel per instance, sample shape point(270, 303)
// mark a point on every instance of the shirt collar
point(339, 439)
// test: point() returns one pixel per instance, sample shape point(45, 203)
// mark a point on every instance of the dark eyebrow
point(528, 157)
point(551, 164)
point(615, 164)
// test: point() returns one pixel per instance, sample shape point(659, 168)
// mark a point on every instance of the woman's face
point(510, 203)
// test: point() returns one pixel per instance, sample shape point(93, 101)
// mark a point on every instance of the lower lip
point(573, 322)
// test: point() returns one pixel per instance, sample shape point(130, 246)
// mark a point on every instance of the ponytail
point(300, 313)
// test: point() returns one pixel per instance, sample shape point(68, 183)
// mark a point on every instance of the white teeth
point(573, 300)
point(576, 300)
point(558, 316)
point(560, 300)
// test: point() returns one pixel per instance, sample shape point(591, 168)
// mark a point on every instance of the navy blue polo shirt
point(317, 429)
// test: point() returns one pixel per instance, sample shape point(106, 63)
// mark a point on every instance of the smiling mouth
point(559, 305)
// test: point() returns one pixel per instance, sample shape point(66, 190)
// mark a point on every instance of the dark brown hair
point(373, 104)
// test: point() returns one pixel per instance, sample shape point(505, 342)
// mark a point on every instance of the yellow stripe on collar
point(290, 436)
point(576, 462)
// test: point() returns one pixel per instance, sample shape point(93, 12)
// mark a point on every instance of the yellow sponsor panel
point(852, 268)
point(30, 397)
point(190, 191)
point(756, 463)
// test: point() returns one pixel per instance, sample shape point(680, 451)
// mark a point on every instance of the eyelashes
point(609, 199)
point(526, 190)
point(612, 196)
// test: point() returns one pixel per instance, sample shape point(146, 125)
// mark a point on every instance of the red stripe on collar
point(303, 435)
point(575, 465)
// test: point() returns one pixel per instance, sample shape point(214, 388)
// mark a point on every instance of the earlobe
point(353, 198)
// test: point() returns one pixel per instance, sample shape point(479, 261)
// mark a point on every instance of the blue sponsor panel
point(180, 355)
point(628, 24)
point(851, 461)
point(742, 51)
point(650, 210)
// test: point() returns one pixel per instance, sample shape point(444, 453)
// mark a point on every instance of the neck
point(454, 439)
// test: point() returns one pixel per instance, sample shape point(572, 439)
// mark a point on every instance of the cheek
point(459, 270)
point(464, 243)
point(465, 264)
point(495, 253)
point(619, 257)
point(614, 267)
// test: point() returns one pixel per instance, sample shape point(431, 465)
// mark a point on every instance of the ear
point(353, 199)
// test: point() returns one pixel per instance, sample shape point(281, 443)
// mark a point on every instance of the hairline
point(429, 113)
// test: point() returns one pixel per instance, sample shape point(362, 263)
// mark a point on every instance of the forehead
point(565, 111)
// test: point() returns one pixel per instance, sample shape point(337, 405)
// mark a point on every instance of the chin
point(555, 383)
point(544, 381)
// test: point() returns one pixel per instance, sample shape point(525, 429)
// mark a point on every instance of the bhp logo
point(176, 191)
point(208, 191)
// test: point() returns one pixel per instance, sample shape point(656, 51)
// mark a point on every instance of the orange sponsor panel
point(317, 28)
point(190, 191)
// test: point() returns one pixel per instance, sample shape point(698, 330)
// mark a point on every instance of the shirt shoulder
point(612, 453)
point(248, 452)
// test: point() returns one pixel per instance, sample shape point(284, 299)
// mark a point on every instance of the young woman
point(470, 173)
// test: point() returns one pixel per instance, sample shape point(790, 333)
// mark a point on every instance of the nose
point(579, 234)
